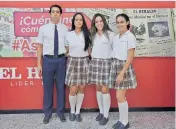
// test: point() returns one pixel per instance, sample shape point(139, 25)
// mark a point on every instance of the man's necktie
point(56, 42)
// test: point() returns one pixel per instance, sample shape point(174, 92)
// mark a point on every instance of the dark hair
point(105, 27)
point(126, 18)
point(85, 30)
point(57, 7)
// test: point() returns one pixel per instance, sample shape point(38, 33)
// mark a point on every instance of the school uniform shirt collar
point(53, 25)
point(127, 32)
point(76, 33)
point(98, 36)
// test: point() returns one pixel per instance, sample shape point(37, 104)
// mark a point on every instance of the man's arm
point(40, 49)
point(39, 57)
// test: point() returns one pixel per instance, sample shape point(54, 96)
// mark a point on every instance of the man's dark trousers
point(54, 70)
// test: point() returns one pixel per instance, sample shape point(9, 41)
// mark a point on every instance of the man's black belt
point(52, 56)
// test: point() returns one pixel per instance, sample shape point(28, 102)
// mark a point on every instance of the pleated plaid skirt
point(76, 73)
point(98, 72)
point(129, 80)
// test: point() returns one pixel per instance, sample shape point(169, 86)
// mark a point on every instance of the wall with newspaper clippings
point(153, 28)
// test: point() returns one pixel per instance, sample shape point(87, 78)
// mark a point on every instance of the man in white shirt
point(52, 62)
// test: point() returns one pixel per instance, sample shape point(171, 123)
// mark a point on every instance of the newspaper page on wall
point(154, 31)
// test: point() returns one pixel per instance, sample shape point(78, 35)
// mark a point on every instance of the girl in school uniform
point(99, 66)
point(77, 45)
point(122, 76)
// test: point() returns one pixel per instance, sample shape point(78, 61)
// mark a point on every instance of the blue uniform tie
point(56, 42)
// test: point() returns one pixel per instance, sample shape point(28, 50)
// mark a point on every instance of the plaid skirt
point(98, 72)
point(129, 79)
point(76, 73)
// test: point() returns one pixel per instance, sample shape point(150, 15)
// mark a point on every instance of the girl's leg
point(100, 102)
point(106, 104)
point(72, 100)
point(123, 106)
point(79, 101)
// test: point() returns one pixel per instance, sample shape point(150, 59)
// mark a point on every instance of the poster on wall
point(153, 29)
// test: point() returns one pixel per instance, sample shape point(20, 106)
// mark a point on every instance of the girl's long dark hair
point(105, 27)
point(87, 36)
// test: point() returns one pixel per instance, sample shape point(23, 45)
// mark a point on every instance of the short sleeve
point(131, 41)
point(66, 39)
point(111, 38)
point(112, 34)
point(40, 35)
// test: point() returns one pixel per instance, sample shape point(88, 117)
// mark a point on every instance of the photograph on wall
point(158, 29)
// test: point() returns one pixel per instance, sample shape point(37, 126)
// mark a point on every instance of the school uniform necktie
point(56, 42)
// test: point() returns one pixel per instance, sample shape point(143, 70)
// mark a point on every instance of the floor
point(138, 120)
